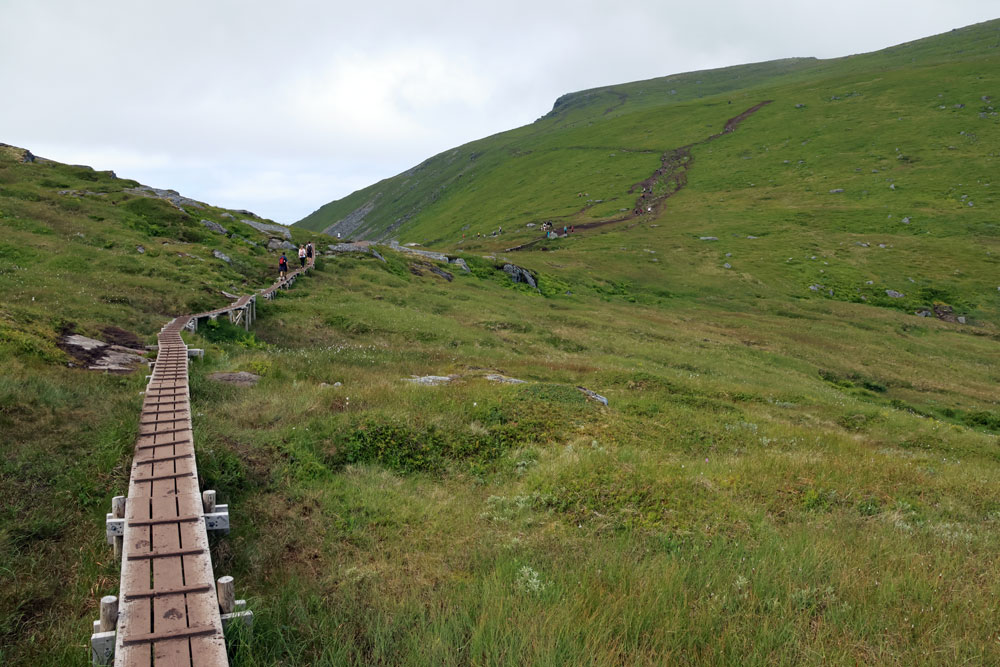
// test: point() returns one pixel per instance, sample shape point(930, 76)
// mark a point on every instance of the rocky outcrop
point(218, 254)
point(172, 196)
point(350, 223)
point(520, 275)
point(278, 244)
point(436, 256)
point(268, 228)
point(215, 227)
point(240, 379)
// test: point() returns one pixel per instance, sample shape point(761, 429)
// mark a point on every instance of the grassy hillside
point(792, 465)
point(603, 141)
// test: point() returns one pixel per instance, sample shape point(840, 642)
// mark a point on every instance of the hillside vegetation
point(792, 466)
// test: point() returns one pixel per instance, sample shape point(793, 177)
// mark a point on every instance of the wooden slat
point(178, 590)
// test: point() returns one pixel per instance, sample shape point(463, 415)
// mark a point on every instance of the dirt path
point(669, 179)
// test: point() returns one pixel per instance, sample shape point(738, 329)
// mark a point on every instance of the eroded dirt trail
point(669, 179)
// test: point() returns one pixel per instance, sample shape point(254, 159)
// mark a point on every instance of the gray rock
point(240, 379)
point(215, 227)
point(708, 238)
point(869, 282)
point(273, 244)
point(218, 254)
point(430, 380)
point(892, 186)
point(961, 319)
point(338, 384)
point(268, 228)
point(227, 216)
point(862, 244)
point(139, 249)
point(593, 395)
point(836, 191)
point(906, 220)
point(815, 288)
point(441, 272)
point(436, 256)
point(924, 313)
point(377, 256)
point(894, 294)
point(460, 263)
point(752, 237)
point(520, 275)
point(348, 247)
point(800, 106)
point(171, 196)
point(496, 377)
point(727, 265)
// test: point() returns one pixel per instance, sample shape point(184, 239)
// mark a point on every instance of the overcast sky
point(280, 106)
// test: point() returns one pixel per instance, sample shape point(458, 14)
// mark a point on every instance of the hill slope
point(604, 141)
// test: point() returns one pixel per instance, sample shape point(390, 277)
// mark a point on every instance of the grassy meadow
point(793, 466)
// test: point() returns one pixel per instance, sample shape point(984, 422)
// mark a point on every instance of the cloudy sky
point(282, 105)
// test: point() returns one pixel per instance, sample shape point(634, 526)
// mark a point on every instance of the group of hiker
point(305, 253)
point(552, 233)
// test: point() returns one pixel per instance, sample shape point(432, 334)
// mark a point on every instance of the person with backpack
point(309, 250)
point(282, 266)
point(302, 256)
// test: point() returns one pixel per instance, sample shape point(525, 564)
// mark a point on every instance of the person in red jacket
point(282, 266)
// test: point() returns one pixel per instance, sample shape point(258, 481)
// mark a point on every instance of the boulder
point(215, 227)
point(894, 294)
point(503, 379)
point(218, 254)
point(430, 380)
point(520, 275)
point(268, 228)
point(240, 379)
point(440, 272)
point(460, 263)
point(593, 395)
point(377, 256)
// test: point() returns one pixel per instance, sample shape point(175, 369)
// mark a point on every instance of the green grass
point(782, 475)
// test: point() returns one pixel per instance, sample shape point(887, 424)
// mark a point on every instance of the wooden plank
point(178, 590)
point(169, 611)
point(135, 616)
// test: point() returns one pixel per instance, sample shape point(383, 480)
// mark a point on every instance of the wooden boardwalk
point(168, 608)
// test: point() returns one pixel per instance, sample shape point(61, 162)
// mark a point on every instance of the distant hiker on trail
point(282, 266)
point(302, 256)
point(309, 250)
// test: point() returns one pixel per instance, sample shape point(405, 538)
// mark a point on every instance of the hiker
point(302, 256)
point(309, 250)
point(282, 267)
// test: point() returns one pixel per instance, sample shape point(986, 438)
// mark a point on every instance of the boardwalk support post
point(115, 525)
point(233, 610)
point(102, 642)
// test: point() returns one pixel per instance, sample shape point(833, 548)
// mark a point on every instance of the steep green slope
point(86, 248)
point(568, 151)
